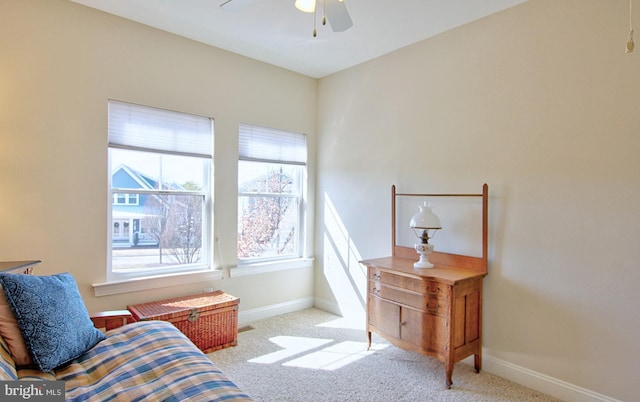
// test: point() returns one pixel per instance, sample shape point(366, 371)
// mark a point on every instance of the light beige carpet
point(310, 356)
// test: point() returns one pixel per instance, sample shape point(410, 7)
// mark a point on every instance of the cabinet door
point(427, 331)
point(467, 314)
point(384, 316)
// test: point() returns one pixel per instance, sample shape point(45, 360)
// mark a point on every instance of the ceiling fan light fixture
point(308, 6)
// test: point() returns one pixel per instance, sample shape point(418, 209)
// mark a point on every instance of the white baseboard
point(537, 381)
point(247, 316)
point(329, 307)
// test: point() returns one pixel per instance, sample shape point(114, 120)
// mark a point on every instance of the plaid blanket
point(149, 360)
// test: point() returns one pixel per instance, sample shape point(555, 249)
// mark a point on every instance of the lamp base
point(424, 249)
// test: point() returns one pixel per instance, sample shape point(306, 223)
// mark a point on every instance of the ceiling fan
point(335, 11)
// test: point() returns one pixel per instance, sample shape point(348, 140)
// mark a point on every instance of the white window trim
point(155, 282)
point(264, 267)
point(198, 146)
point(187, 278)
point(275, 146)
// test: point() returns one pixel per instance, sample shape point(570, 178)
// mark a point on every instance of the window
point(126, 199)
point(271, 179)
point(160, 214)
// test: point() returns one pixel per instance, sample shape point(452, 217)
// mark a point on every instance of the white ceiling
point(275, 32)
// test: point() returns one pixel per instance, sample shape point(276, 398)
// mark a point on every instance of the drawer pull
point(433, 309)
point(375, 291)
point(433, 288)
point(375, 277)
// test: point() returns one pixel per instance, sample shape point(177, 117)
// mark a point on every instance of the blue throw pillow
point(52, 317)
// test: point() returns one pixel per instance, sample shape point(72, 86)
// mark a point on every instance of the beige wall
point(541, 102)
point(60, 63)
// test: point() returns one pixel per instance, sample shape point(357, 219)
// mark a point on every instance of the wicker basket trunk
point(210, 320)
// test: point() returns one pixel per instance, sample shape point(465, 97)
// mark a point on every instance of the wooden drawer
point(425, 302)
point(415, 285)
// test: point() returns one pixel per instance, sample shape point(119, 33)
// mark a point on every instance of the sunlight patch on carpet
point(357, 322)
point(292, 345)
point(329, 358)
point(335, 356)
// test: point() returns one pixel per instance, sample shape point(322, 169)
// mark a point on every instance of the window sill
point(154, 282)
point(271, 266)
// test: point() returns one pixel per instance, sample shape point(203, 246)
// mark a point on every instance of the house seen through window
point(160, 191)
point(271, 183)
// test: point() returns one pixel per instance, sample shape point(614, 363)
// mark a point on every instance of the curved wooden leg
point(477, 361)
point(449, 370)
point(369, 339)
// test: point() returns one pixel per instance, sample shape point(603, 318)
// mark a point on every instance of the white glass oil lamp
point(424, 224)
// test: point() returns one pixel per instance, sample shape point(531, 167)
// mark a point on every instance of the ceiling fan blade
point(338, 15)
point(235, 5)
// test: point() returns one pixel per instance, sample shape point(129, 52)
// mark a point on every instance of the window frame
point(249, 154)
point(298, 197)
point(206, 263)
point(128, 196)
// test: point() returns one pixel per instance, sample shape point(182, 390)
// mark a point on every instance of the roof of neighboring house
point(144, 181)
point(128, 211)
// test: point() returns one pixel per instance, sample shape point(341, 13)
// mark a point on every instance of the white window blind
point(145, 128)
point(264, 144)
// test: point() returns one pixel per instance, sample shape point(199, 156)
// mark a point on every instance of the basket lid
point(201, 302)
